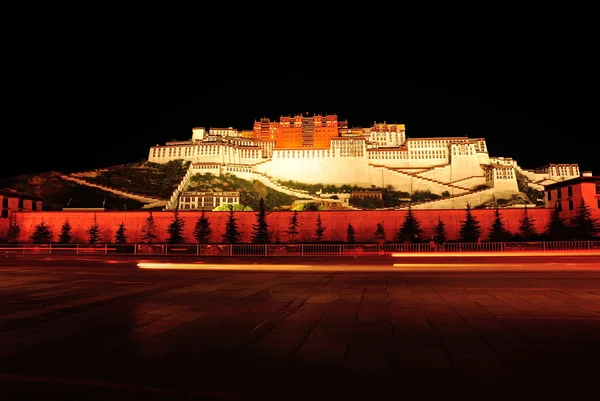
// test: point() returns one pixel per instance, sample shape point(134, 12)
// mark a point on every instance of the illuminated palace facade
point(322, 149)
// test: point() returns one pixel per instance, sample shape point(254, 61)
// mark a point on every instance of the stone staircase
point(401, 173)
point(126, 194)
point(298, 193)
point(173, 201)
point(430, 204)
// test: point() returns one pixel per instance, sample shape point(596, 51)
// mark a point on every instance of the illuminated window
point(570, 190)
point(570, 205)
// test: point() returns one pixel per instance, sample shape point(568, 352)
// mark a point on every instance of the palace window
point(597, 189)
point(549, 195)
point(33, 205)
point(5, 213)
point(558, 194)
point(598, 203)
point(559, 206)
point(20, 203)
point(4, 202)
point(570, 204)
point(570, 190)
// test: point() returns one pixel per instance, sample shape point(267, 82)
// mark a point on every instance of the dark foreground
point(95, 331)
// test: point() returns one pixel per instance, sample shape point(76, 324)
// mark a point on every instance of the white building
point(378, 156)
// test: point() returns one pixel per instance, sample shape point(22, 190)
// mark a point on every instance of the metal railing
point(290, 249)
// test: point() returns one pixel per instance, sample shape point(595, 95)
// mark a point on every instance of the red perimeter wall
point(336, 223)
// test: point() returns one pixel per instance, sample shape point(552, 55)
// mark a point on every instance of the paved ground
point(99, 331)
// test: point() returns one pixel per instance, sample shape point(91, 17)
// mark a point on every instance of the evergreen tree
point(527, 229)
point(497, 231)
point(470, 231)
point(175, 229)
point(293, 227)
point(380, 233)
point(350, 234)
point(202, 230)
point(557, 230)
point(440, 231)
point(410, 229)
point(42, 234)
point(584, 226)
point(260, 232)
point(120, 236)
point(94, 231)
point(231, 235)
point(65, 233)
point(14, 229)
point(320, 230)
point(149, 229)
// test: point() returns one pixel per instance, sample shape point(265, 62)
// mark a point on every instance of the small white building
point(191, 200)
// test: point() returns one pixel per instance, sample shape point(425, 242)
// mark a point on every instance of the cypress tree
point(293, 226)
point(94, 231)
point(149, 229)
point(175, 229)
point(584, 226)
point(14, 229)
point(65, 233)
point(380, 233)
point(42, 234)
point(260, 232)
point(120, 236)
point(527, 229)
point(440, 231)
point(497, 232)
point(350, 234)
point(470, 231)
point(320, 229)
point(231, 235)
point(557, 230)
point(202, 230)
point(410, 229)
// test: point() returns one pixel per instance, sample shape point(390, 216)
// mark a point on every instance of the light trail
point(496, 254)
point(396, 267)
point(496, 267)
point(202, 266)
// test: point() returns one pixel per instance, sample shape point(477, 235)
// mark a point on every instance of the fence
point(290, 249)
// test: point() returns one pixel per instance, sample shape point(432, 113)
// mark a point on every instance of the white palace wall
point(317, 168)
point(464, 162)
point(207, 153)
point(471, 182)
point(438, 173)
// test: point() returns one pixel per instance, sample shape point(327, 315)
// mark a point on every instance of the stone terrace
point(121, 333)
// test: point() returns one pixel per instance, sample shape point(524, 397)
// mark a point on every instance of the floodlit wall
point(336, 223)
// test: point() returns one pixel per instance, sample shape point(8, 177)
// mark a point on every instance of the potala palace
point(321, 149)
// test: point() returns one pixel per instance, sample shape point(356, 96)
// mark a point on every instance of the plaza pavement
point(99, 331)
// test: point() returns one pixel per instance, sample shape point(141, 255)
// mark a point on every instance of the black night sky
point(102, 121)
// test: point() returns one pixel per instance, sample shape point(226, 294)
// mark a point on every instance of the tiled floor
point(112, 333)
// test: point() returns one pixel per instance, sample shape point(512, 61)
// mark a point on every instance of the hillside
point(58, 193)
point(142, 178)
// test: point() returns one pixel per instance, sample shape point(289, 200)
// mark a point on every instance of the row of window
point(572, 206)
point(408, 155)
point(20, 204)
point(559, 192)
